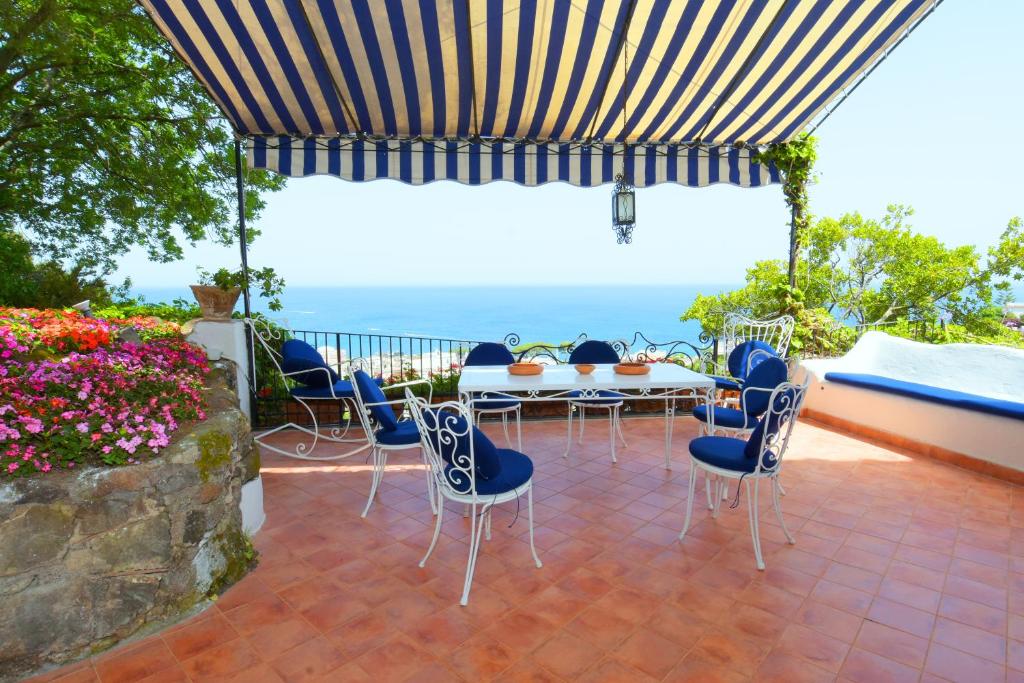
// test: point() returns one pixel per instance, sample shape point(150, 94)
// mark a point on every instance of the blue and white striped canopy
point(528, 90)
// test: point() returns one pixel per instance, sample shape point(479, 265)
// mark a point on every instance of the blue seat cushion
point(494, 400)
point(730, 418)
point(605, 397)
point(924, 392)
point(342, 389)
point(727, 453)
point(489, 353)
point(370, 392)
point(515, 470)
point(404, 434)
point(298, 356)
point(727, 383)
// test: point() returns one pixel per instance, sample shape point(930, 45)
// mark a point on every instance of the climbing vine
point(795, 161)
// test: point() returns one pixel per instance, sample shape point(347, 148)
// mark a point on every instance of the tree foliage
point(795, 160)
point(107, 141)
point(859, 271)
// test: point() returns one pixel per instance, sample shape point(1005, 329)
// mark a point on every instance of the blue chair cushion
point(485, 455)
point(489, 353)
point(370, 392)
point(515, 470)
point(740, 357)
point(342, 389)
point(405, 434)
point(593, 351)
point(730, 418)
point(727, 383)
point(923, 392)
point(298, 356)
point(606, 397)
point(764, 375)
point(727, 453)
point(494, 400)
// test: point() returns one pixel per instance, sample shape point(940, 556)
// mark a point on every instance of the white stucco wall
point(992, 371)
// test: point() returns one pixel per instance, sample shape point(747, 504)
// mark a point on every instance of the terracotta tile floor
point(904, 569)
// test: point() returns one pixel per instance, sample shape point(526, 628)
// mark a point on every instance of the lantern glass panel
point(624, 208)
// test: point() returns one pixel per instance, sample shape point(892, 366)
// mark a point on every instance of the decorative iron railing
point(397, 358)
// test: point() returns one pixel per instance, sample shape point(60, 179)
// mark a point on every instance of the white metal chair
point(777, 332)
point(388, 434)
point(595, 352)
point(466, 468)
point(758, 457)
point(309, 380)
point(496, 403)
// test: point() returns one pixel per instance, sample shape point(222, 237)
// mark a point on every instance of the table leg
point(670, 411)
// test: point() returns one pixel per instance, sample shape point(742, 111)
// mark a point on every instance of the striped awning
point(528, 90)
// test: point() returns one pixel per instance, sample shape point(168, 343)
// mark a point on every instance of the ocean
point(548, 314)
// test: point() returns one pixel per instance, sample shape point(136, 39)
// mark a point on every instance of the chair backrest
point(450, 442)
point(367, 391)
point(594, 351)
point(747, 355)
point(299, 357)
point(768, 441)
point(775, 331)
point(760, 383)
point(489, 353)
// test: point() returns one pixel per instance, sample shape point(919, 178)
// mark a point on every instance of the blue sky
point(932, 127)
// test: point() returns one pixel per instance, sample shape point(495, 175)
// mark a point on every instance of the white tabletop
point(662, 376)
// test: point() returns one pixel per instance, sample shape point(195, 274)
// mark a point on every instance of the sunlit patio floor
point(904, 569)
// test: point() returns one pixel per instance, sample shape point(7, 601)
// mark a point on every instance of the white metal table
point(666, 381)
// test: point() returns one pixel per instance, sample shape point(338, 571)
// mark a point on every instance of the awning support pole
point(793, 246)
point(243, 243)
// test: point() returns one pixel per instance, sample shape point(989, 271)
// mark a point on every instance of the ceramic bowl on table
point(632, 368)
point(525, 369)
point(585, 368)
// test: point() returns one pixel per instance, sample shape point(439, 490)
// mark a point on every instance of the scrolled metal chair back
point(777, 424)
point(775, 331)
point(446, 434)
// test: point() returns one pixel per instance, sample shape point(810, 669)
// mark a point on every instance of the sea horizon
point(548, 313)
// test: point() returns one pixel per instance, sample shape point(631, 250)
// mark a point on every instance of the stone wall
point(91, 557)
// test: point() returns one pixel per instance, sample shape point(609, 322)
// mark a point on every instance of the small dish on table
point(525, 369)
point(585, 368)
point(632, 369)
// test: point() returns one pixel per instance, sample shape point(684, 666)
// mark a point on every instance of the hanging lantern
point(623, 210)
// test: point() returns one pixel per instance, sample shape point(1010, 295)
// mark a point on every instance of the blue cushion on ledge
point(923, 392)
point(405, 434)
point(727, 453)
point(607, 397)
point(342, 389)
point(729, 418)
point(515, 470)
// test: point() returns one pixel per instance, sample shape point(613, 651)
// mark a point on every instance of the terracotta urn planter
point(214, 302)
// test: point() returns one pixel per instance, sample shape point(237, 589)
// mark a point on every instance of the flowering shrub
point(104, 402)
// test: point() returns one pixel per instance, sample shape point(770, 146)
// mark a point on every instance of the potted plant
point(218, 292)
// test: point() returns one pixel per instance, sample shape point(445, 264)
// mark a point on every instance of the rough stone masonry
point(91, 557)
